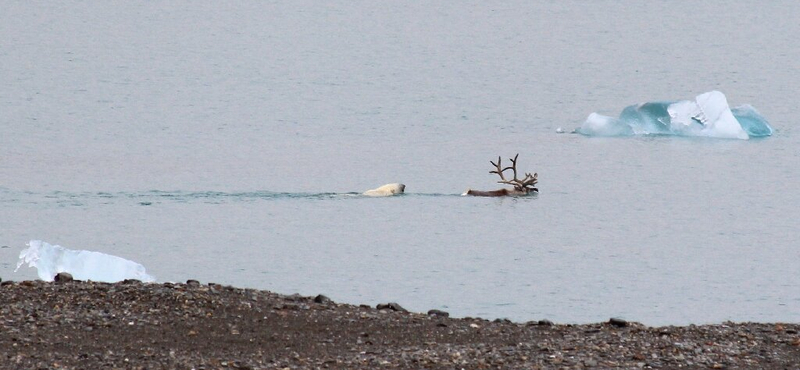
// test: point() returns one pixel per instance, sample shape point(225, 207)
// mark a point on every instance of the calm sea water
point(217, 141)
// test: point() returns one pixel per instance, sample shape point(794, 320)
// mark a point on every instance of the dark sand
point(131, 325)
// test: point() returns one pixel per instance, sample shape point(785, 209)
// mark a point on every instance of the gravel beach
point(133, 325)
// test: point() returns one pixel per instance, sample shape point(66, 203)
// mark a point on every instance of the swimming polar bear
point(386, 190)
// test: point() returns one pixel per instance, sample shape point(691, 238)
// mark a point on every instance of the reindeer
point(521, 187)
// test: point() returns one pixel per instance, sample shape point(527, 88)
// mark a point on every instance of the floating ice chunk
point(707, 115)
point(685, 113)
point(600, 125)
point(49, 260)
point(712, 113)
point(752, 122)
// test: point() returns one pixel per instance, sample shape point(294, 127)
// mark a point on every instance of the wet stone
point(620, 323)
point(322, 299)
point(63, 277)
point(294, 297)
point(391, 306)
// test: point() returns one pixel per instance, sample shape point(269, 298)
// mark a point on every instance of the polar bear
point(386, 190)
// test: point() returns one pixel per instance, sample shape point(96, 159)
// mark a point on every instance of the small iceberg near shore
point(707, 115)
point(50, 260)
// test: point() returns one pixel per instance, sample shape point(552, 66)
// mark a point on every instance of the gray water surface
point(228, 142)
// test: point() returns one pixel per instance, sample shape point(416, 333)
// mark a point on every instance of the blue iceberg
point(707, 115)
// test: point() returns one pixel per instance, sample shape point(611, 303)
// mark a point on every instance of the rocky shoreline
point(133, 325)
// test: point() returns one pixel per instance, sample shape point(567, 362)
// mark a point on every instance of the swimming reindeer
point(521, 187)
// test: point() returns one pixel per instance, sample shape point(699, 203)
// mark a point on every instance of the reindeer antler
point(522, 185)
point(499, 167)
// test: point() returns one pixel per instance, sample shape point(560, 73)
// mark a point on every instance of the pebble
point(322, 299)
point(438, 313)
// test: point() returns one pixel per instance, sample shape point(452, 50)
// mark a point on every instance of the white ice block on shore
point(49, 260)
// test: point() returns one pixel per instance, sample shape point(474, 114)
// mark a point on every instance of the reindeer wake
point(707, 115)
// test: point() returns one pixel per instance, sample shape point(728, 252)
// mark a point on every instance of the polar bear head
point(386, 190)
